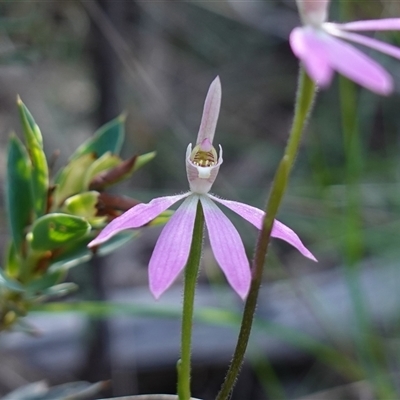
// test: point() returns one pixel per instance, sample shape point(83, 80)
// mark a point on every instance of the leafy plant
point(51, 220)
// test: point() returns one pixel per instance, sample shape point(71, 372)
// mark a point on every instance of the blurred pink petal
point(309, 46)
point(384, 24)
point(136, 217)
point(227, 247)
point(315, 44)
point(212, 105)
point(358, 67)
point(172, 248)
point(372, 43)
point(255, 216)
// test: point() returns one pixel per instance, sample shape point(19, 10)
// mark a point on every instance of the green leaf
point(56, 230)
point(59, 290)
point(120, 172)
point(29, 126)
point(84, 205)
point(117, 241)
point(49, 279)
point(80, 253)
point(143, 160)
point(19, 203)
point(12, 267)
point(162, 219)
point(108, 138)
point(70, 180)
point(40, 172)
point(9, 283)
point(106, 162)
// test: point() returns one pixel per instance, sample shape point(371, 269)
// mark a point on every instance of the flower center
point(204, 155)
point(204, 158)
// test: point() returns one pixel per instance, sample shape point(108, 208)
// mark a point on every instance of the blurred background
point(323, 329)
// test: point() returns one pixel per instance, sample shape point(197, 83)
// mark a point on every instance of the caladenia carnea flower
point(171, 252)
point(319, 45)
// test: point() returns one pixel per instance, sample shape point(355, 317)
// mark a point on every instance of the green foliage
point(39, 168)
point(55, 230)
point(19, 203)
point(79, 252)
point(12, 261)
point(70, 180)
point(106, 162)
point(51, 223)
point(143, 160)
point(85, 205)
point(82, 204)
point(10, 284)
point(45, 281)
point(108, 138)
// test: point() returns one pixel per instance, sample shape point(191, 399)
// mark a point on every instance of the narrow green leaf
point(116, 241)
point(59, 290)
point(40, 172)
point(70, 180)
point(9, 283)
point(143, 160)
point(107, 138)
point(56, 230)
point(106, 162)
point(12, 262)
point(79, 252)
point(49, 279)
point(31, 130)
point(19, 202)
point(120, 172)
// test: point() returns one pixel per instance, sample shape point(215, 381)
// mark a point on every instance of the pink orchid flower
point(172, 248)
point(319, 46)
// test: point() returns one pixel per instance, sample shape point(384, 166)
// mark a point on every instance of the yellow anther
point(204, 158)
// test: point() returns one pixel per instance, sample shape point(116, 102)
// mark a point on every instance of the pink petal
point(172, 248)
point(309, 46)
point(358, 67)
point(375, 44)
point(136, 217)
point(281, 231)
point(227, 247)
point(210, 112)
point(385, 24)
point(256, 216)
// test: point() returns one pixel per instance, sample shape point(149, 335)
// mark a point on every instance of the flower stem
point(304, 102)
point(191, 272)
